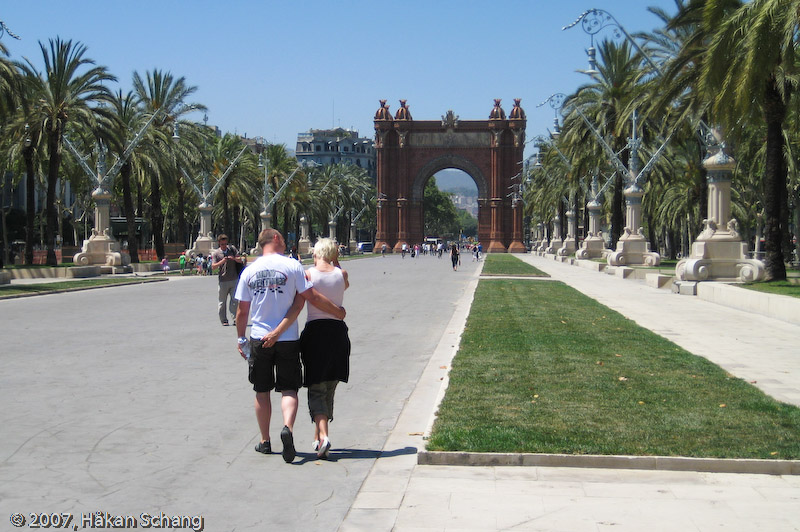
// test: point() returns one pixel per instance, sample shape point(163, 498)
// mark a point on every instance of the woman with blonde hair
point(324, 343)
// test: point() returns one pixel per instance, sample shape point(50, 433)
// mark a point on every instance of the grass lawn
point(10, 290)
point(544, 369)
point(503, 264)
point(784, 288)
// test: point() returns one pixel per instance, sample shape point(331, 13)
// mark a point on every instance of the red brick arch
point(410, 151)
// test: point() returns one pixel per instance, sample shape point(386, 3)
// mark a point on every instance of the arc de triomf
point(410, 151)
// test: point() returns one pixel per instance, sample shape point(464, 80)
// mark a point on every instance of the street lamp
point(183, 108)
point(556, 102)
point(4, 28)
point(593, 21)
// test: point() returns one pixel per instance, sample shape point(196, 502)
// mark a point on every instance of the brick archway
point(410, 151)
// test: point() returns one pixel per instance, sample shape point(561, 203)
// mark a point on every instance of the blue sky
point(274, 69)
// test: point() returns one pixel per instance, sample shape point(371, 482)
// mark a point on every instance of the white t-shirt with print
point(270, 284)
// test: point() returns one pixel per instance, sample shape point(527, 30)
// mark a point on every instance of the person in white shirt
point(324, 343)
point(271, 291)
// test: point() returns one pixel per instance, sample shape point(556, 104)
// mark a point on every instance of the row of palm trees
point(728, 63)
point(68, 97)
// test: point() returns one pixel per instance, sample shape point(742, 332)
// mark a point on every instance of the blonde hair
point(326, 249)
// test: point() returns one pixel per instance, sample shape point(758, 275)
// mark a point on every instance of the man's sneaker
point(225, 323)
point(264, 447)
point(288, 452)
point(324, 448)
point(315, 445)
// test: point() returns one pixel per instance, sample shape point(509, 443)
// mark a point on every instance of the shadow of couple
point(354, 454)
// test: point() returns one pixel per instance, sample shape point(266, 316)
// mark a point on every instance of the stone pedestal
point(101, 247)
point(205, 238)
point(568, 247)
point(541, 247)
point(266, 223)
point(632, 247)
point(593, 246)
point(719, 254)
point(353, 242)
point(304, 243)
point(555, 240)
point(332, 230)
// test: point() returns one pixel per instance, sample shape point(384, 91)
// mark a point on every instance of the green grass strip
point(784, 288)
point(503, 264)
point(17, 290)
point(544, 369)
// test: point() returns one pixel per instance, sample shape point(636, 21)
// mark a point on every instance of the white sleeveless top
point(331, 285)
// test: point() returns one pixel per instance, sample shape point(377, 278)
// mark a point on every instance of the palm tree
point(17, 100)
point(127, 118)
point(65, 91)
point(752, 71)
point(241, 182)
point(160, 92)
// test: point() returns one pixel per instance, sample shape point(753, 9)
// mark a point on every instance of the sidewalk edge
point(651, 463)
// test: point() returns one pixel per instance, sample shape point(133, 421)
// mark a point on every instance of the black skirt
point(325, 351)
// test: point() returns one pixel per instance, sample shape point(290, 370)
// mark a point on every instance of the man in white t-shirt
point(272, 291)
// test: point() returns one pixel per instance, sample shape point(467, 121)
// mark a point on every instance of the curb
point(651, 463)
point(77, 289)
point(517, 277)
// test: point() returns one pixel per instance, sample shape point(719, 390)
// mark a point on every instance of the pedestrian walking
point(227, 259)
point(455, 256)
point(324, 343)
point(271, 292)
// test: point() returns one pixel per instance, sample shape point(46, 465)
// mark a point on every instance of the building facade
point(336, 146)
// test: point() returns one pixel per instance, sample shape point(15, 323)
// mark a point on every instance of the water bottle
point(244, 343)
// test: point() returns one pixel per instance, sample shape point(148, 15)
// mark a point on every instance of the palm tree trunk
point(775, 173)
point(139, 199)
point(285, 224)
point(130, 215)
point(30, 203)
point(157, 215)
point(181, 212)
point(53, 144)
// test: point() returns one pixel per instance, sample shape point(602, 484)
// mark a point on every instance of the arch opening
point(450, 206)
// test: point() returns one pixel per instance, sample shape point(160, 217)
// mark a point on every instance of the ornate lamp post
point(205, 237)
point(102, 247)
point(4, 29)
point(718, 253)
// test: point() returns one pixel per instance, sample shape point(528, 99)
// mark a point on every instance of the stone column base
point(719, 261)
point(379, 244)
point(101, 249)
point(592, 248)
point(568, 248)
point(495, 247)
point(555, 245)
point(304, 246)
point(633, 251)
point(204, 245)
point(517, 247)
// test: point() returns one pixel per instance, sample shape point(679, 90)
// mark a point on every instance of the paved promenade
point(133, 399)
point(139, 404)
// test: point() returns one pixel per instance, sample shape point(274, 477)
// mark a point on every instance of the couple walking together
point(272, 291)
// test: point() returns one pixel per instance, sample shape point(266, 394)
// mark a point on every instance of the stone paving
point(139, 403)
point(133, 399)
